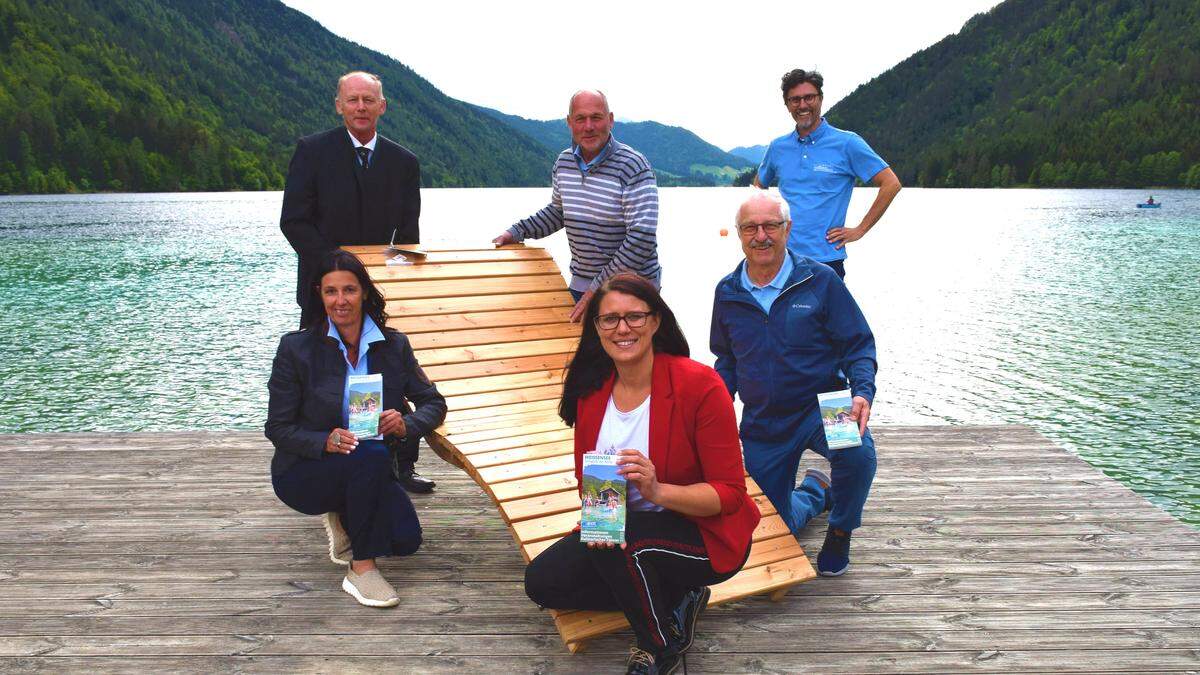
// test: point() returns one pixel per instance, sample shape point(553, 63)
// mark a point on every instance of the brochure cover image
point(366, 402)
point(602, 517)
point(840, 430)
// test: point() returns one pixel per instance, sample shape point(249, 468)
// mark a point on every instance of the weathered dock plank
point(984, 549)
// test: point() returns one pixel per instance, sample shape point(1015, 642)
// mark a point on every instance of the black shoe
point(686, 614)
point(412, 481)
point(834, 558)
point(644, 663)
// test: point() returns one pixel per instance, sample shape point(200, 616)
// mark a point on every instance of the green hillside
point(146, 95)
point(678, 156)
point(1061, 93)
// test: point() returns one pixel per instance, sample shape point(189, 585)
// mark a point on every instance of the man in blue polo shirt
point(816, 165)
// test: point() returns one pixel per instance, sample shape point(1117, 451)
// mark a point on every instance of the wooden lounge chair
point(490, 327)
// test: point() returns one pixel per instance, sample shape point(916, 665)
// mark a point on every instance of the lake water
point(1070, 311)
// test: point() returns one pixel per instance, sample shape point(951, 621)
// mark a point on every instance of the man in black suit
point(350, 186)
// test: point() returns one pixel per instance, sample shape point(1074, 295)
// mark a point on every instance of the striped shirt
point(610, 214)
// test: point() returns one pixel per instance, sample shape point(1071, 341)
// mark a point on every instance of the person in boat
point(689, 520)
point(816, 165)
point(784, 329)
point(321, 468)
point(605, 195)
point(1150, 200)
point(351, 185)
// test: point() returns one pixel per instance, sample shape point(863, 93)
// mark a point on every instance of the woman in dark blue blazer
point(319, 466)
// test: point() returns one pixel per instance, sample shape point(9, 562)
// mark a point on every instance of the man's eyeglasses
point(751, 229)
point(632, 319)
point(797, 100)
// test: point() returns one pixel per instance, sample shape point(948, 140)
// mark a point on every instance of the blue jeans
point(575, 295)
point(375, 511)
point(773, 466)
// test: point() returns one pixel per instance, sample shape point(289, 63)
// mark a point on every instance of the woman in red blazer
point(631, 390)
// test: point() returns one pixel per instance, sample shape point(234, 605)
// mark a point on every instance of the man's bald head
point(588, 96)
point(370, 80)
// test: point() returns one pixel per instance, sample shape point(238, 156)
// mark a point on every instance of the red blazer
point(693, 438)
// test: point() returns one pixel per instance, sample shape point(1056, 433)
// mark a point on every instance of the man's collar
point(370, 145)
point(814, 136)
point(599, 155)
point(781, 276)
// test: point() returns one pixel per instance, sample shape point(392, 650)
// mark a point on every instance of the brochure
point(366, 402)
point(840, 430)
point(602, 518)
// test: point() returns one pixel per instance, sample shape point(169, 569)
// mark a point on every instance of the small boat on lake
point(1144, 205)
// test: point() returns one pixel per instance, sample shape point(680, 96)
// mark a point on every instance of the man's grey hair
point(773, 196)
point(338, 92)
point(597, 92)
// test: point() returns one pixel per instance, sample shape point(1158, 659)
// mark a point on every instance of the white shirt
point(370, 145)
point(627, 431)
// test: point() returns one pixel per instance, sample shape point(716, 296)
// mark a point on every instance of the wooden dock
point(984, 549)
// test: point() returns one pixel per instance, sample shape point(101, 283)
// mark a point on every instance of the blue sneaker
point(834, 558)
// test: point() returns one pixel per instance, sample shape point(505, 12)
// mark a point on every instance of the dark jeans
point(664, 559)
point(575, 295)
point(375, 511)
point(838, 266)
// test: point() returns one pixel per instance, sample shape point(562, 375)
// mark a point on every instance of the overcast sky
point(713, 72)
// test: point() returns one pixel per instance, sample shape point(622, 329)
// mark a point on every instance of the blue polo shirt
point(816, 176)
point(765, 295)
point(370, 335)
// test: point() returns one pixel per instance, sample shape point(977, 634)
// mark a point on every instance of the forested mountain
point(1064, 93)
point(145, 95)
point(751, 153)
point(678, 156)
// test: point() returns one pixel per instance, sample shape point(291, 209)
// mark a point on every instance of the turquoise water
point(1071, 311)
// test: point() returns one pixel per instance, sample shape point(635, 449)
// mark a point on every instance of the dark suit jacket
point(308, 378)
point(329, 200)
point(693, 439)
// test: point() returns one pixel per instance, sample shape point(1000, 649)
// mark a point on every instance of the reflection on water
point(1070, 311)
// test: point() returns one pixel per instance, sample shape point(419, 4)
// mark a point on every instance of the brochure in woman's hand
point(366, 402)
point(602, 517)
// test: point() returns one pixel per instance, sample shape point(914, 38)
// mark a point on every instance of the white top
point(624, 431)
point(370, 145)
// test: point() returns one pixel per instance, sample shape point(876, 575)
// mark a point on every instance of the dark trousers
point(375, 510)
point(838, 266)
point(575, 295)
point(664, 558)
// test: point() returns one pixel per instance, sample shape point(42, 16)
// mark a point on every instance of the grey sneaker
point(370, 589)
point(339, 541)
point(821, 476)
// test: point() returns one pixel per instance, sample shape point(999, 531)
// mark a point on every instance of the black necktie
point(363, 154)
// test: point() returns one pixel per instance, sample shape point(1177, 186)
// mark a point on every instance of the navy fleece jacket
point(779, 361)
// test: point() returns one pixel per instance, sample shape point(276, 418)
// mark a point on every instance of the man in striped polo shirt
point(605, 195)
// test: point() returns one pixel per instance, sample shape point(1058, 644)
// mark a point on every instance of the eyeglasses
point(751, 229)
point(632, 319)
point(797, 100)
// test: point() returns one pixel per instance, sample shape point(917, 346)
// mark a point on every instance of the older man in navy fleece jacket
point(784, 329)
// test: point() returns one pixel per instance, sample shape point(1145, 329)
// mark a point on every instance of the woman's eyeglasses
point(632, 319)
